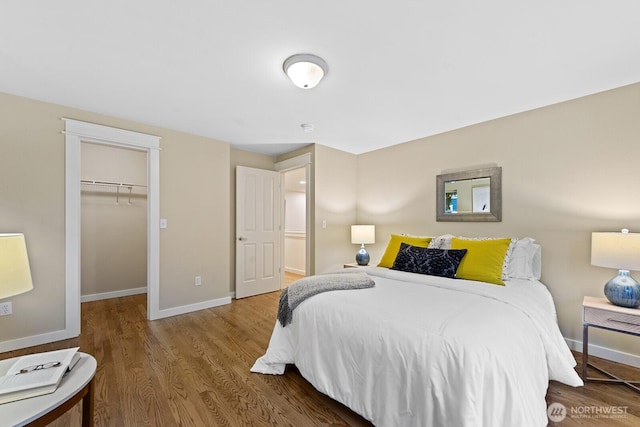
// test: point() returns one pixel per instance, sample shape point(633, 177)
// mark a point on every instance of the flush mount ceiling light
point(305, 70)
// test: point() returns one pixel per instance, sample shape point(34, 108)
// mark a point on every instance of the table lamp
point(621, 251)
point(15, 274)
point(361, 234)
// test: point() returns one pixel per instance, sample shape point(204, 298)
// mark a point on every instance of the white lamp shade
point(15, 274)
point(616, 250)
point(305, 70)
point(363, 234)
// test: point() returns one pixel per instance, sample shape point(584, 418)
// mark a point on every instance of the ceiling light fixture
point(305, 70)
point(307, 127)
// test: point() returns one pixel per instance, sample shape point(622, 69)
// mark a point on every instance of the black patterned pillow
point(434, 262)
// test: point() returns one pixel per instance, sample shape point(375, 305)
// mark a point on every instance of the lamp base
point(362, 257)
point(623, 290)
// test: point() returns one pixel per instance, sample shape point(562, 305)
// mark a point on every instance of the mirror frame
point(495, 181)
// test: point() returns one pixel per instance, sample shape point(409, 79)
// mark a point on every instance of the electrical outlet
point(198, 280)
point(5, 308)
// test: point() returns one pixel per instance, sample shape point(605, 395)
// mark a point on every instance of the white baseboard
point(295, 270)
point(33, 340)
point(113, 294)
point(606, 353)
point(184, 309)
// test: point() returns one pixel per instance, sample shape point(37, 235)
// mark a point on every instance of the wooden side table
point(42, 410)
point(355, 265)
point(600, 313)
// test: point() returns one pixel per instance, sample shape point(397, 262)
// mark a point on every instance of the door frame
point(304, 160)
point(77, 132)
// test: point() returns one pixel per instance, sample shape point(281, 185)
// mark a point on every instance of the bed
point(425, 350)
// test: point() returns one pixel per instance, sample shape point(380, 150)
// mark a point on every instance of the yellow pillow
point(394, 246)
point(483, 260)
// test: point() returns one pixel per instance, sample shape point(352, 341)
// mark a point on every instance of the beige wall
point(32, 202)
point(194, 197)
point(567, 170)
point(336, 176)
point(114, 220)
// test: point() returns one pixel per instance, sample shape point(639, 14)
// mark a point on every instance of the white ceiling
point(398, 70)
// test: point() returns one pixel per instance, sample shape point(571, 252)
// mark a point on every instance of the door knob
point(242, 238)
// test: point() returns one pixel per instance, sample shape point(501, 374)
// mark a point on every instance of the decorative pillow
point(394, 246)
point(484, 259)
point(507, 257)
point(434, 262)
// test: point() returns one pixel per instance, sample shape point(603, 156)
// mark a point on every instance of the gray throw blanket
point(307, 287)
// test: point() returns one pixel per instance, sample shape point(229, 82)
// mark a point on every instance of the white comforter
point(421, 350)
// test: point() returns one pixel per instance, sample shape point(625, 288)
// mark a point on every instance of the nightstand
point(600, 313)
point(353, 265)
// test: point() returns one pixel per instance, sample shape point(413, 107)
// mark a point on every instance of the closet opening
point(77, 132)
point(113, 195)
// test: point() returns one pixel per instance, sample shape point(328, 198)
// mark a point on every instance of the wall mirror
point(473, 195)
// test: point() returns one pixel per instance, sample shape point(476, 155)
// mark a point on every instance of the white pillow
point(536, 261)
point(525, 261)
point(441, 242)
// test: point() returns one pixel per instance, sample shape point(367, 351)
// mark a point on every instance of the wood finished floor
point(290, 277)
point(193, 370)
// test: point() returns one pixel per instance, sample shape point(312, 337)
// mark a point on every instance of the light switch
point(163, 223)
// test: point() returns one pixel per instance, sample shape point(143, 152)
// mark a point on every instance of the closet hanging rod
point(110, 184)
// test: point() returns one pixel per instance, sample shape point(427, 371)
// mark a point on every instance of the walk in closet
point(114, 221)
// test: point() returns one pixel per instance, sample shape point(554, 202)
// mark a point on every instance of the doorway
point(114, 221)
point(77, 132)
point(303, 172)
point(295, 224)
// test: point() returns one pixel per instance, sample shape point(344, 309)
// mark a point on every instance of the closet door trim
point(77, 132)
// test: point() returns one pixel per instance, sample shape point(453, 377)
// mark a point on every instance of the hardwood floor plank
point(290, 277)
point(193, 370)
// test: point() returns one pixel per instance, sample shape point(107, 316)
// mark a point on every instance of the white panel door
point(258, 231)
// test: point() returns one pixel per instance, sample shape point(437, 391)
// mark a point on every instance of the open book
point(36, 374)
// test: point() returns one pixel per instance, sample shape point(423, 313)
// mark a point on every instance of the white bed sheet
point(420, 350)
